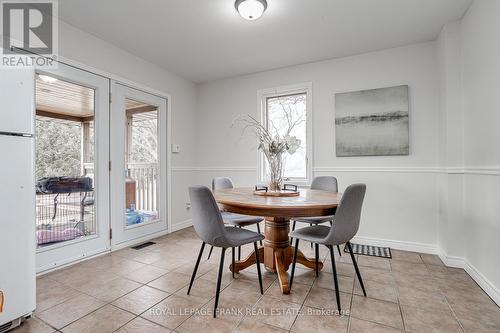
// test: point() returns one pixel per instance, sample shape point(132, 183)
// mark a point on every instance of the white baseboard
point(182, 225)
point(489, 288)
point(451, 261)
point(396, 244)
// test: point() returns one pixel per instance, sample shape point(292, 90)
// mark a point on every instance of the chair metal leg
point(258, 230)
point(239, 249)
point(335, 280)
point(310, 224)
point(316, 252)
point(221, 266)
point(258, 266)
point(210, 253)
point(356, 268)
point(293, 229)
point(196, 266)
point(232, 255)
point(294, 261)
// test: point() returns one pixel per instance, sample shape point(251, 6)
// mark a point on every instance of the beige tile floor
point(145, 291)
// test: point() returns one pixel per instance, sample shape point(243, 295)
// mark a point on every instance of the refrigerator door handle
point(25, 135)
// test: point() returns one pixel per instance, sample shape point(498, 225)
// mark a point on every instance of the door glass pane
point(141, 160)
point(65, 208)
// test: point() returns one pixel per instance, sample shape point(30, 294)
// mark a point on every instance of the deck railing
point(146, 192)
point(146, 176)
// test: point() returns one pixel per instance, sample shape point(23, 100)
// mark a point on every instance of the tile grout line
point(109, 303)
point(303, 302)
point(83, 293)
point(399, 303)
point(443, 294)
point(204, 304)
point(427, 266)
point(43, 321)
point(105, 302)
point(350, 304)
point(454, 315)
point(260, 298)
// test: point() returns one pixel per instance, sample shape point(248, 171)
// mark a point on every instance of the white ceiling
point(203, 40)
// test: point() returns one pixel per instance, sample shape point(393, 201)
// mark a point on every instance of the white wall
point(401, 202)
point(442, 197)
point(82, 47)
point(469, 189)
point(480, 48)
point(450, 182)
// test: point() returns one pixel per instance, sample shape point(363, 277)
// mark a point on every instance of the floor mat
point(369, 250)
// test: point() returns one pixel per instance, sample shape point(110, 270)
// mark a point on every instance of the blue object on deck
point(132, 217)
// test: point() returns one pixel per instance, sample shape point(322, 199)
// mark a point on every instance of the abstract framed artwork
point(372, 122)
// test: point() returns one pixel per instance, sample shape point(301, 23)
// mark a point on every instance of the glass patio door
point(71, 167)
point(138, 170)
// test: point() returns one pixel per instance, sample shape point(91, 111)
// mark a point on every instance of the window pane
point(141, 146)
point(65, 206)
point(282, 111)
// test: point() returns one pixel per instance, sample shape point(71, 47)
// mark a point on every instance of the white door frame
point(126, 82)
point(113, 77)
point(63, 253)
point(125, 236)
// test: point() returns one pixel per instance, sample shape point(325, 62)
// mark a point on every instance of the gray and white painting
point(372, 122)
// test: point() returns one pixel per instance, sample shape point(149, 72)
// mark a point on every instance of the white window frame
point(262, 96)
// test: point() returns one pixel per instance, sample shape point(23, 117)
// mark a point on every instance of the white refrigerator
point(17, 196)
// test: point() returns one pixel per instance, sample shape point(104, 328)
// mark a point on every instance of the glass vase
point(275, 165)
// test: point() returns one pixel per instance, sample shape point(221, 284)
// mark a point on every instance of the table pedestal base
point(277, 254)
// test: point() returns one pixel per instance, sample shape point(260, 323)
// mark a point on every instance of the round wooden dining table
point(276, 252)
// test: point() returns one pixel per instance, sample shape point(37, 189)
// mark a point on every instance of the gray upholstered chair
point(209, 226)
point(325, 183)
point(345, 226)
point(236, 220)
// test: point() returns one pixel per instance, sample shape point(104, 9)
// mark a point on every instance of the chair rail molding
point(184, 169)
point(484, 170)
point(213, 169)
point(380, 169)
point(480, 170)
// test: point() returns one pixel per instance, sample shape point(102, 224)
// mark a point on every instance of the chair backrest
point(207, 220)
point(325, 183)
point(220, 183)
point(347, 216)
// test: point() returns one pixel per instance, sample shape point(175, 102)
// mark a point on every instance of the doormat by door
point(369, 250)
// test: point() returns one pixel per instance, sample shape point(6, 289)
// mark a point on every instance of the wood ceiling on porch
point(73, 102)
point(64, 100)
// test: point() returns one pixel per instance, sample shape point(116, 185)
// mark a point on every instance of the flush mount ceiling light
point(250, 9)
point(46, 78)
